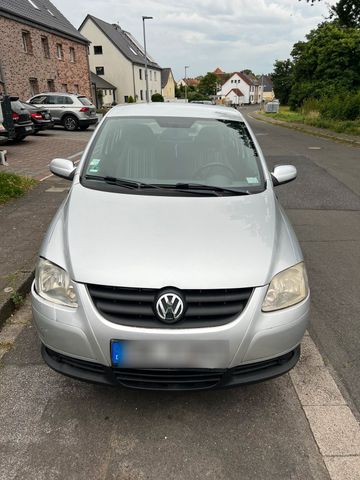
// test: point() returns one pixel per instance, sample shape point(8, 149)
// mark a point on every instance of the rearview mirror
point(283, 174)
point(63, 168)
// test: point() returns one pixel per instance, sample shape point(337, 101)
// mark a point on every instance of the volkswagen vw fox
point(171, 264)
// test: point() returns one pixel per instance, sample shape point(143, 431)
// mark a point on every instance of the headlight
point(287, 288)
point(54, 284)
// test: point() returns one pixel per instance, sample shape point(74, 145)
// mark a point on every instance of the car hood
point(157, 241)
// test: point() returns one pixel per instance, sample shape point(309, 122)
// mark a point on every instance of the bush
point(345, 106)
point(157, 97)
point(131, 99)
point(13, 186)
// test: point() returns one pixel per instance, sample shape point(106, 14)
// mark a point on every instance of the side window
point(51, 100)
point(67, 101)
point(38, 100)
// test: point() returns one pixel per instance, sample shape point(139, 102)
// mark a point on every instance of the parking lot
point(31, 156)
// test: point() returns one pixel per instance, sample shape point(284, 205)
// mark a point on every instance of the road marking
point(334, 427)
point(261, 134)
point(314, 148)
point(69, 158)
point(57, 190)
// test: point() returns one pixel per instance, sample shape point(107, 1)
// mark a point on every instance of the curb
point(306, 129)
point(21, 287)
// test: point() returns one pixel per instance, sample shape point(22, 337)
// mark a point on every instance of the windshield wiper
point(121, 182)
point(209, 188)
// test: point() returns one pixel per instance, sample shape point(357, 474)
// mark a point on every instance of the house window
point(45, 46)
point(126, 98)
point(51, 85)
point(98, 50)
point(26, 40)
point(99, 70)
point(72, 54)
point(150, 74)
point(34, 86)
point(140, 73)
point(155, 76)
point(64, 87)
point(76, 88)
point(59, 51)
point(141, 95)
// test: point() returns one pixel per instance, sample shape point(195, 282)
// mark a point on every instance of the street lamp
point(146, 60)
point(186, 67)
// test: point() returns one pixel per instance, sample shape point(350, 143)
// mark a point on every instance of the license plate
point(92, 113)
point(169, 354)
point(27, 129)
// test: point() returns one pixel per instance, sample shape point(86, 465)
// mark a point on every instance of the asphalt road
point(324, 207)
point(52, 427)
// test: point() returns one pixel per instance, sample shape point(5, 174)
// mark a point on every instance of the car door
point(55, 105)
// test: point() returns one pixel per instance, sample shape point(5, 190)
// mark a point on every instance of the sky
point(206, 34)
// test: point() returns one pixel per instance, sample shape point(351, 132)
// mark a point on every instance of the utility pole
point(146, 60)
point(186, 67)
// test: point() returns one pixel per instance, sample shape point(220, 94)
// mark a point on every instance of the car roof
point(63, 94)
point(170, 109)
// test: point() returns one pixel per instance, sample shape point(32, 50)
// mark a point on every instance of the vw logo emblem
point(169, 307)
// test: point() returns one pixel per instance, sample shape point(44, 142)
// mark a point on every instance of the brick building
point(40, 51)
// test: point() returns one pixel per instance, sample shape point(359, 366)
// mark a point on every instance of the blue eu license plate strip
point(118, 353)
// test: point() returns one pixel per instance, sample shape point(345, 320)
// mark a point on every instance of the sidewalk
point(318, 132)
point(23, 223)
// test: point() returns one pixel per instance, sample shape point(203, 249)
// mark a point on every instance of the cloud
point(232, 34)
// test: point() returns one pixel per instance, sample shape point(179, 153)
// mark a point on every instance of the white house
point(235, 97)
point(117, 57)
point(246, 84)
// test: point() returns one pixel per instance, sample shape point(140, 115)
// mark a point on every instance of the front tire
point(70, 123)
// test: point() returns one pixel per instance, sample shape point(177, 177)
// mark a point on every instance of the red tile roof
point(236, 91)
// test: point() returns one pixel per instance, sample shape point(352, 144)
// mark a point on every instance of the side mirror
point(63, 168)
point(283, 174)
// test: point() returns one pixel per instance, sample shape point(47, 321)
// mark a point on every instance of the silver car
point(72, 111)
point(171, 264)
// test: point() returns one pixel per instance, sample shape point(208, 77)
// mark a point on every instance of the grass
point(314, 119)
point(14, 186)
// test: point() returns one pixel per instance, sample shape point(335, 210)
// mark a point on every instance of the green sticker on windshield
point(94, 165)
point(252, 180)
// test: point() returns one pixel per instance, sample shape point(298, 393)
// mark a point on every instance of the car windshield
point(172, 151)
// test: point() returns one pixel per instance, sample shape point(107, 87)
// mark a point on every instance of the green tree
point(328, 62)
point(282, 78)
point(208, 84)
point(346, 12)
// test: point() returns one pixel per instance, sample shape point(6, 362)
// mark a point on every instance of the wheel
point(214, 165)
point(84, 127)
point(70, 123)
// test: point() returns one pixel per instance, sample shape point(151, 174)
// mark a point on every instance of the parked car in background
point(22, 120)
point(72, 111)
point(40, 117)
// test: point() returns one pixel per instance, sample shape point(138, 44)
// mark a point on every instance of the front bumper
point(83, 335)
point(171, 379)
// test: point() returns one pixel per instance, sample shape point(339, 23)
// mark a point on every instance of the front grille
point(135, 306)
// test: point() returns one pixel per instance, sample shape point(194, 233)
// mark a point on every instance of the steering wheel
point(214, 164)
